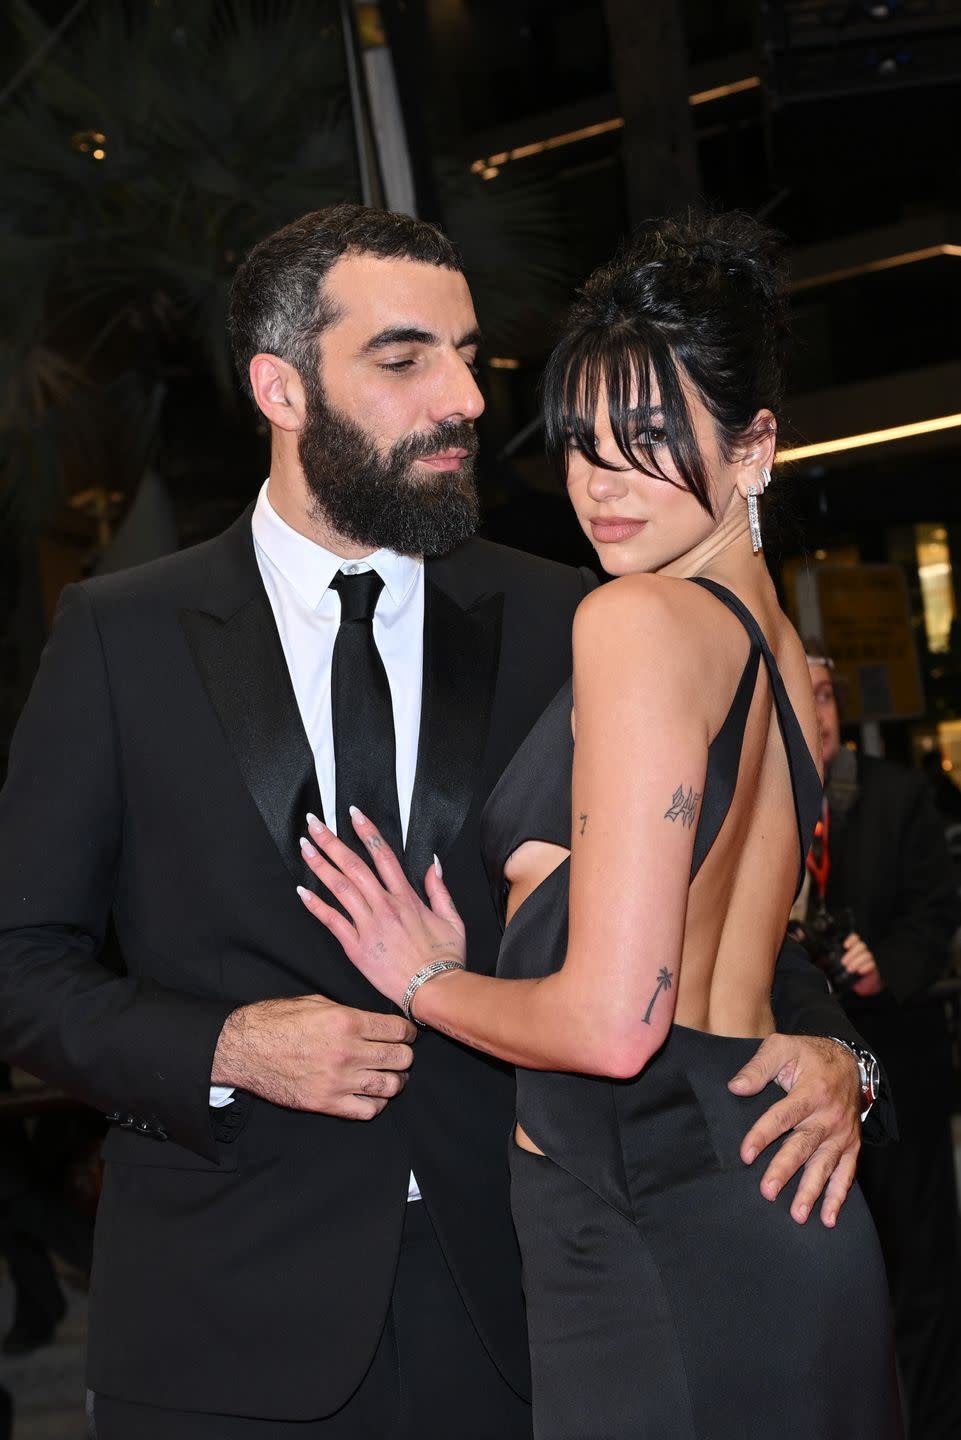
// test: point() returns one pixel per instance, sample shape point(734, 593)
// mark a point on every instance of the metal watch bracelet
point(869, 1072)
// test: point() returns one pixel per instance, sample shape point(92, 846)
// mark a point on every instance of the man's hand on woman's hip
point(820, 1116)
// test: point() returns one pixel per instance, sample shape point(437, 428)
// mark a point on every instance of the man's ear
point(755, 452)
point(278, 391)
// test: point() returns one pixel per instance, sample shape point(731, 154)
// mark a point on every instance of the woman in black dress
point(645, 878)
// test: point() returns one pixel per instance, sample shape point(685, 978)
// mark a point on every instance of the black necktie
point(363, 720)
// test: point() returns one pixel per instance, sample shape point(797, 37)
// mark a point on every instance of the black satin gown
point(666, 1298)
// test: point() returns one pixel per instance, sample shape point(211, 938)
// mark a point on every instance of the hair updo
point(700, 294)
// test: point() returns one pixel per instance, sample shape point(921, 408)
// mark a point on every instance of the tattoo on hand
point(374, 843)
point(683, 806)
point(583, 819)
point(664, 979)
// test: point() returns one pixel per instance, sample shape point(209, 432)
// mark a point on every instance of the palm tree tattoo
point(664, 978)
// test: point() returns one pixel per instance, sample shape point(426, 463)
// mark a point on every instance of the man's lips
point(608, 529)
point(446, 460)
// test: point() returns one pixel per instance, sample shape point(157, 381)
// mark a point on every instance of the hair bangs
point(619, 364)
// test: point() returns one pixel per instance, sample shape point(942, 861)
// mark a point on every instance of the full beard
point(382, 501)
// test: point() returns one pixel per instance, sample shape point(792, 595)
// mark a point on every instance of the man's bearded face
point(386, 500)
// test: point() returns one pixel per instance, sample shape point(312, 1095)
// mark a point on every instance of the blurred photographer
point(877, 913)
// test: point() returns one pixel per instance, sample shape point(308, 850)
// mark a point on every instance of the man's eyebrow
point(398, 335)
point(413, 335)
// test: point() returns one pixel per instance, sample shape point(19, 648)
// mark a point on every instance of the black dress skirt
point(666, 1298)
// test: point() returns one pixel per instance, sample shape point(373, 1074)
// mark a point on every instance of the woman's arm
point(639, 769)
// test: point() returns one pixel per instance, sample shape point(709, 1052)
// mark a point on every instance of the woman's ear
point(755, 454)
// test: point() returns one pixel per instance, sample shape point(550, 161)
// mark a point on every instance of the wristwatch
point(869, 1073)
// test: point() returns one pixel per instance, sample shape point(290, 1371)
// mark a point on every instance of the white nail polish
point(303, 892)
point(439, 868)
point(361, 819)
point(312, 821)
point(307, 848)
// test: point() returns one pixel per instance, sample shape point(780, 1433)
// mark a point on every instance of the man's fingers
point(382, 1083)
point(388, 1057)
point(392, 1028)
point(839, 1187)
point(795, 1152)
point(775, 1122)
point(359, 1107)
point(817, 1172)
point(773, 1055)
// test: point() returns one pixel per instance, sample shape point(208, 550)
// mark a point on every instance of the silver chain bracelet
point(436, 967)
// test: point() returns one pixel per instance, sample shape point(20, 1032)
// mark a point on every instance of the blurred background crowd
point(145, 145)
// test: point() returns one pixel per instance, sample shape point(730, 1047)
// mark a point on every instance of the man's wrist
point(227, 1068)
point(869, 1072)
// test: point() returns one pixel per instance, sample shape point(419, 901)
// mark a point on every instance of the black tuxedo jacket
point(159, 775)
point(890, 866)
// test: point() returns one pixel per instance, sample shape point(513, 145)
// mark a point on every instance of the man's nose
point(459, 398)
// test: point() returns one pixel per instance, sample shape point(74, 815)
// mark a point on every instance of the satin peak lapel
point(461, 651)
point(241, 662)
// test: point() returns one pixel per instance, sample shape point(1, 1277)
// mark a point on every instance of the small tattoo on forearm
point(683, 806)
point(463, 1040)
point(664, 979)
point(583, 819)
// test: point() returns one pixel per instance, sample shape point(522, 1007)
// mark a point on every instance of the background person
point(884, 863)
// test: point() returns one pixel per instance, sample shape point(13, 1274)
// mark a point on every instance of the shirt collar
point(309, 568)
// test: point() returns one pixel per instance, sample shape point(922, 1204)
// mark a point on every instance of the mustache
point(448, 435)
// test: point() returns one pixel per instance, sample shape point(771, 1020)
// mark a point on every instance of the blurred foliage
point(145, 154)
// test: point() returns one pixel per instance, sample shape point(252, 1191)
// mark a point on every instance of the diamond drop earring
point(753, 519)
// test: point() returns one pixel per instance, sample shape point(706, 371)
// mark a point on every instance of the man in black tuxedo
point(264, 1267)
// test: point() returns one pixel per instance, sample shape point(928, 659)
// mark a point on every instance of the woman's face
point(637, 521)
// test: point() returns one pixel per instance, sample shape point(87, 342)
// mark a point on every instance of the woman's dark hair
point(699, 295)
point(278, 302)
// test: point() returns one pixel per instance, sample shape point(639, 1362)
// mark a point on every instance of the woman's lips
point(613, 528)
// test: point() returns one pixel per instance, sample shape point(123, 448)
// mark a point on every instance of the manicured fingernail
point(829, 1217)
point(361, 819)
point(738, 1083)
point(750, 1155)
point(802, 1212)
point(303, 892)
point(439, 868)
point(773, 1190)
point(313, 823)
point(307, 848)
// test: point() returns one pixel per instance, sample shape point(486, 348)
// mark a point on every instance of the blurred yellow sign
point(863, 615)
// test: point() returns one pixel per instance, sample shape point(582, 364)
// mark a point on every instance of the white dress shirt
point(297, 573)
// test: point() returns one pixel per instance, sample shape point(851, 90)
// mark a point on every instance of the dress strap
point(805, 780)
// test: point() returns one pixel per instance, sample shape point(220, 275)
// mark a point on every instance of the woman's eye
point(651, 437)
